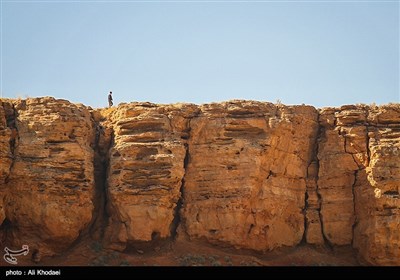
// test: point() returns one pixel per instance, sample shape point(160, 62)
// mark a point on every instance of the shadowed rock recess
point(245, 174)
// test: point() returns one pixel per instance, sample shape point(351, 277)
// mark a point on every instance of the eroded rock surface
point(245, 183)
point(247, 174)
point(358, 181)
point(5, 153)
point(48, 193)
point(146, 170)
point(377, 233)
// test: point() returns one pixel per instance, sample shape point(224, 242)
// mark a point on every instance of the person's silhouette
point(110, 99)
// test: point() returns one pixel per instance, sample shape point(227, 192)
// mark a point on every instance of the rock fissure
point(102, 143)
point(354, 205)
point(11, 120)
point(178, 208)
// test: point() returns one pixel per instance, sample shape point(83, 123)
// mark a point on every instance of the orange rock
point(377, 233)
point(146, 170)
point(247, 174)
point(48, 195)
point(245, 180)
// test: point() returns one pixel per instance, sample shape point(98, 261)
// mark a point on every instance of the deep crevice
point(304, 238)
point(367, 144)
point(5, 227)
point(314, 178)
point(101, 147)
point(355, 222)
point(320, 136)
point(177, 215)
point(177, 211)
point(98, 224)
point(11, 119)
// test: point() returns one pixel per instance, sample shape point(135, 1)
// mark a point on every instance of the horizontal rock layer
point(246, 174)
point(146, 169)
point(48, 187)
point(245, 182)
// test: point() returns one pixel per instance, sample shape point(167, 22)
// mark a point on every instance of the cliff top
point(223, 104)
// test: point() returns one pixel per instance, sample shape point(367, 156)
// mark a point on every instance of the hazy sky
point(319, 53)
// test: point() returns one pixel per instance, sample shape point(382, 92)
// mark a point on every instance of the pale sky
point(322, 53)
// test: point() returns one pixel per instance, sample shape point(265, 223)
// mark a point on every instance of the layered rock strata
point(245, 182)
point(246, 174)
point(146, 169)
point(47, 173)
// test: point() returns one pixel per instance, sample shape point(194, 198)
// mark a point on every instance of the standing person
point(110, 99)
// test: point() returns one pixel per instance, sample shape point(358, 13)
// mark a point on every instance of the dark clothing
point(110, 100)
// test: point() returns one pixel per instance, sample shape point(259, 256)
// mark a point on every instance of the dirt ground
point(195, 253)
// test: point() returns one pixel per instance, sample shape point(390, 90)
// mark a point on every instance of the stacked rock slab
point(359, 149)
point(377, 232)
point(245, 182)
point(342, 152)
point(146, 170)
point(48, 193)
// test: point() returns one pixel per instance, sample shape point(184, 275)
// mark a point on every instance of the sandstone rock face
point(359, 180)
point(377, 234)
point(338, 148)
point(5, 138)
point(246, 174)
point(146, 170)
point(245, 182)
point(5, 153)
point(48, 193)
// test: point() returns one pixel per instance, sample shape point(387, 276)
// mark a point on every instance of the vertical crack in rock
point(354, 205)
point(177, 220)
point(10, 114)
point(312, 221)
point(304, 238)
point(177, 211)
point(320, 137)
point(345, 145)
point(367, 140)
point(101, 146)
point(11, 119)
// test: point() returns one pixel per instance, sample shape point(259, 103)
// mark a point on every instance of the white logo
point(9, 255)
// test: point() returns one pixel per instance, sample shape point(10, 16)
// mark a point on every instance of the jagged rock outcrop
point(48, 192)
point(245, 182)
point(247, 174)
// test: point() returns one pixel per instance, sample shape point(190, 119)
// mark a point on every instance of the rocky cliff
point(243, 174)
